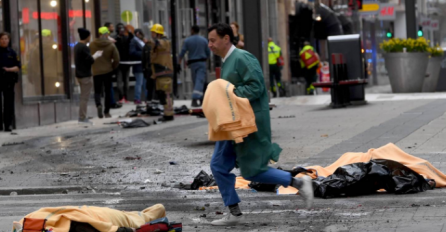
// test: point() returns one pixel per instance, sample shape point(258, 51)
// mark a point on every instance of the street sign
point(425, 23)
point(127, 16)
point(387, 12)
point(435, 25)
point(370, 7)
point(351, 4)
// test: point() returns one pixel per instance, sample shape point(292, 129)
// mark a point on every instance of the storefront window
point(1, 16)
point(46, 40)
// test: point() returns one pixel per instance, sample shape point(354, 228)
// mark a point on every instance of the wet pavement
point(129, 169)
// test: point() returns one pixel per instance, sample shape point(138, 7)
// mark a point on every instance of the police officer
point(162, 69)
point(274, 52)
point(309, 61)
point(9, 68)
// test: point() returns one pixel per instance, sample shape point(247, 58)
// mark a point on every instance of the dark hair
point(5, 33)
point(195, 29)
point(107, 24)
point(222, 29)
point(138, 31)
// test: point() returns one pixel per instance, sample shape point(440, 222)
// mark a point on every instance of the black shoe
point(116, 106)
point(274, 94)
point(195, 103)
point(165, 119)
point(282, 92)
point(100, 113)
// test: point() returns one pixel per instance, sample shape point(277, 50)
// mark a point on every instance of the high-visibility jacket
point(308, 58)
point(273, 53)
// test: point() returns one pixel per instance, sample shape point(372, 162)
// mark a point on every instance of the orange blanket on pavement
point(230, 117)
point(388, 152)
point(103, 219)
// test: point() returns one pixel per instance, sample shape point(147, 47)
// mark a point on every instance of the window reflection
point(53, 79)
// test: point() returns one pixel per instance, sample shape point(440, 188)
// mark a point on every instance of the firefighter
point(162, 69)
point(309, 61)
point(274, 53)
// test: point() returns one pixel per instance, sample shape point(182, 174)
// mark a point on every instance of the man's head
point(306, 43)
point(84, 34)
point(220, 37)
point(157, 31)
point(110, 27)
point(139, 34)
point(120, 29)
point(270, 40)
point(104, 32)
point(195, 30)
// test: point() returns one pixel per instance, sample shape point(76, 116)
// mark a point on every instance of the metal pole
point(173, 29)
point(411, 20)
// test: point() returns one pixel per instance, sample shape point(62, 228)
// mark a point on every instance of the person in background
point(103, 69)
point(152, 96)
point(9, 68)
point(114, 104)
point(275, 73)
point(123, 39)
point(162, 69)
point(309, 61)
point(243, 70)
point(239, 39)
point(136, 47)
point(198, 53)
point(83, 61)
point(111, 29)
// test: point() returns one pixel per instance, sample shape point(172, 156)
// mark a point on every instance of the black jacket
point(123, 46)
point(83, 60)
point(146, 65)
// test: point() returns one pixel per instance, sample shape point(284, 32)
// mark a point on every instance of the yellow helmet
point(158, 28)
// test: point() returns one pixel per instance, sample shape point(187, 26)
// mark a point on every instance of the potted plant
point(406, 62)
point(433, 69)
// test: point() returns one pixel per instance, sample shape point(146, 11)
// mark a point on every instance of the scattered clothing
point(230, 117)
point(134, 124)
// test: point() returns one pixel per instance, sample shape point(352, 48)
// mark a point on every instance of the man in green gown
point(252, 156)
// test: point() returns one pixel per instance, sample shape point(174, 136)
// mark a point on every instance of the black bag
point(366, 178)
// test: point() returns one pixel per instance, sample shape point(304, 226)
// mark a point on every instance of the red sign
point(52, 15)
point(387, 11)
point(358, 3)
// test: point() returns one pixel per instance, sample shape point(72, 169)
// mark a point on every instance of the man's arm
point(87, 55)
point(252, 75)
point(183, 52)
point(116, 58)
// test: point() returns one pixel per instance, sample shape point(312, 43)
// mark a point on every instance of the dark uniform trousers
point(7, 104)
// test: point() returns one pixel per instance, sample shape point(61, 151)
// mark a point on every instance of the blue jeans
point(112, 95)
point(198, 70)
point(222, 163)
point(140, 83)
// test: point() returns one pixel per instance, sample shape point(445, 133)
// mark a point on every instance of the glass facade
point(41, 48)
point(42, 36)
point(1, 16)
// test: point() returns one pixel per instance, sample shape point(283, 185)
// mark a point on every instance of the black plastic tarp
point(366, 178)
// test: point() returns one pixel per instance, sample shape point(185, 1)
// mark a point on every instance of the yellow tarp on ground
point(388, 152)
point(103, 219)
